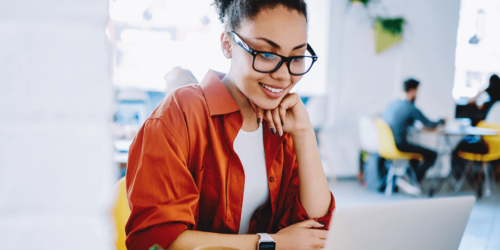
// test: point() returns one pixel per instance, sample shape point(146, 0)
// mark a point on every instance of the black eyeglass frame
point(237, 39)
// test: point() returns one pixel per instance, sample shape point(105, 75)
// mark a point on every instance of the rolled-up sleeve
point(161, 191)
point(294, 211)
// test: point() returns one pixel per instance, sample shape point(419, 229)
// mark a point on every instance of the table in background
point(445, 147)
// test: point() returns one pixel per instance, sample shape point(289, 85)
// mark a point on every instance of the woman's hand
point(303, 235)
point(290, 116)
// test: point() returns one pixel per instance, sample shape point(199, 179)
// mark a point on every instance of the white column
point(55, 105)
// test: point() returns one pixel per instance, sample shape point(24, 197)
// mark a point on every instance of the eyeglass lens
point(268, 62)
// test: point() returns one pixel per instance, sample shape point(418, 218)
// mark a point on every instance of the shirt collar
point(219, 100)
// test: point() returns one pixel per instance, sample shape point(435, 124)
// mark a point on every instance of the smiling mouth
point(274, 90)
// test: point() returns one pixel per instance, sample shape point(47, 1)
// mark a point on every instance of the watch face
point(267, 246)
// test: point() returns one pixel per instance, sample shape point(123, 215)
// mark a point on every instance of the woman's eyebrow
point(300, 46)
point(274, 45)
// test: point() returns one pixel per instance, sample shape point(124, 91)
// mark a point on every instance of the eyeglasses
point(267, 62)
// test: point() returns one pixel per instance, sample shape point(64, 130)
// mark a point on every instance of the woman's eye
point(298, 59)
point(268, 56)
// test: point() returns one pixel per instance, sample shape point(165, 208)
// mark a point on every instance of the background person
point(481, 105)
point(485, 99)
point(178, 77)
point(218, 162)
point(478, 107)
point(401, 115)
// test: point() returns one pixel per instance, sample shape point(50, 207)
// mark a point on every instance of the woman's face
point(276, 30)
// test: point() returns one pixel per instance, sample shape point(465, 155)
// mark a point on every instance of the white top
point(249, 146)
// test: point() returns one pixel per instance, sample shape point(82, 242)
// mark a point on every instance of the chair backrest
point(493, 141)
point(387, 146)
point(121, 213)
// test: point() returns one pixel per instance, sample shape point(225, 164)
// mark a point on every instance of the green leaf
point(364, 2)
point(393, 25)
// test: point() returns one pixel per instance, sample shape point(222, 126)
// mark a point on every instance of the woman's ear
point(225, 43)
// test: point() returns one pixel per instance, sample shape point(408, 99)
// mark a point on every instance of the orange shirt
point(183, 173)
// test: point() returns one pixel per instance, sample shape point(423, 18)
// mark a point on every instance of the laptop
point(419, 224)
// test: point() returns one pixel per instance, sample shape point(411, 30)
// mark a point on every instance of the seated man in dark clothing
point(400, 115)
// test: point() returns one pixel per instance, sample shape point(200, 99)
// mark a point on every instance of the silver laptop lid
point(412, 225)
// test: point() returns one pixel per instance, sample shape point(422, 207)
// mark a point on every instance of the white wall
point(364, 83)
point(314, 82)
point(55, 105)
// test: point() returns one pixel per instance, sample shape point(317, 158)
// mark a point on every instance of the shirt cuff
point(299, 214)
point(163, 235)
point(328, 216)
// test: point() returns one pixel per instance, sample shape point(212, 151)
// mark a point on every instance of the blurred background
point(78, 79)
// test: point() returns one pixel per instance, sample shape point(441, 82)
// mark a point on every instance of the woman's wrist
point(276, 239)
point(302, 134)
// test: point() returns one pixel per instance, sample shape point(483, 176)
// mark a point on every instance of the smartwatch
point(266, 242)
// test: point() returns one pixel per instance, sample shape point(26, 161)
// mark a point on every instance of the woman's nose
point(282, 73)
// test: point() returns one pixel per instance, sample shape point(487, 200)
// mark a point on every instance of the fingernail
point(282, 123)
point(323, 224)
point(258, 120)
point(272, 131)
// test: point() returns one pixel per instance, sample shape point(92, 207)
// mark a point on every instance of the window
point(478, 47)
point(149, 38)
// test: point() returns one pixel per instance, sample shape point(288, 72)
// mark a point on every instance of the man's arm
point(417, 114)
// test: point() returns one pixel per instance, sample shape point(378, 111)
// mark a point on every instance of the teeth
point(272, 89)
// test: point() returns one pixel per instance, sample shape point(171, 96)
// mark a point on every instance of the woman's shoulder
point(181, 111)
point(184, 100)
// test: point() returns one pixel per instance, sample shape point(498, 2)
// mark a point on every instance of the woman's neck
point(249, 117)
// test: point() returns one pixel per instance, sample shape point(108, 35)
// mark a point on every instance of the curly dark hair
point(233, 12)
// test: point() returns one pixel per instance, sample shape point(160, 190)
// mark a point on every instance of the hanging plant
point(392, 25)
point(364, 2)
point(388, 32)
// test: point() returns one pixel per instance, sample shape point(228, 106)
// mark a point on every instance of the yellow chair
point(398, 161)
point(121, 212)
point(493, 143)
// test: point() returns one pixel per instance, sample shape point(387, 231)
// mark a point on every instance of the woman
point(218, 162)
point(485, 99)
point(480, 105)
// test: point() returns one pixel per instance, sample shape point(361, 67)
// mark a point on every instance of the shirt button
point(271, 179)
